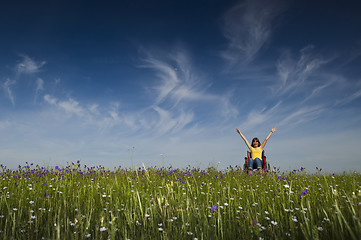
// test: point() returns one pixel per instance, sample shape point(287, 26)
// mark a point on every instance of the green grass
point(79, 202)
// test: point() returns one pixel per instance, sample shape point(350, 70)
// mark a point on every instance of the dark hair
point(256, 139)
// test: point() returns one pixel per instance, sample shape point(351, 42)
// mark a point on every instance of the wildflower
point(320, 229)
point(88, 235)
point(46, 195)
point(274, 223)
point(254, 222)
point(214, 208)
point(160, 229)
point(103, 229)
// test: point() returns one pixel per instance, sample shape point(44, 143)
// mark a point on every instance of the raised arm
point(244, 139)
point(268, 136)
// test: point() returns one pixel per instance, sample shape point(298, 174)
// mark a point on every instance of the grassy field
point(80, 202)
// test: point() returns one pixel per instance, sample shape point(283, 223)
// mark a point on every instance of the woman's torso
point(256, 153)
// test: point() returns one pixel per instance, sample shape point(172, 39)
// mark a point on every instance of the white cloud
point(70, 106)
point(93, 108)
point(169, 123)
point(28, 65)
point(51, 100)
point(293, 74)
point(180, 86)
point(177, 80)
point(304, 114)
point(7, 86)
point(248, 26)
point(39, 87)
point(258, 117)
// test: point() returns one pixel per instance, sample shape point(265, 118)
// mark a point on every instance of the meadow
point(81, 202)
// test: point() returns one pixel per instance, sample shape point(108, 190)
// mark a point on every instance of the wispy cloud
point(7, 87)
point(294, 73)
point(28, 65)
point(169, 123)
point(39, 88)
point(304, 114)
point(70, 106)
point(311, 76)
point(179, 85)
point(177, 81)
point(258, 117)
point(248, 27)
point(50, 99)
point(353, 96)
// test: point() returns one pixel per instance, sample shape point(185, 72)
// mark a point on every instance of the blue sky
point(167, 82)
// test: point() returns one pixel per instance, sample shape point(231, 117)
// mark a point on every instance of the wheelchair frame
point(265, 164)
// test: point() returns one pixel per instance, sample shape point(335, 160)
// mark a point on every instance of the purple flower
point(46, 195)
point(214, 208)
point(254, 222)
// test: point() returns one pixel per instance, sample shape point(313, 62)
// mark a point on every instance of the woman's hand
point(268, 136)
point(244, 138)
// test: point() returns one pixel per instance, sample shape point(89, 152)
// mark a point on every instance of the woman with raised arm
point(256, 150)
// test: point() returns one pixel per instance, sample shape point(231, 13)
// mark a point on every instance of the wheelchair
point(265, 164)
